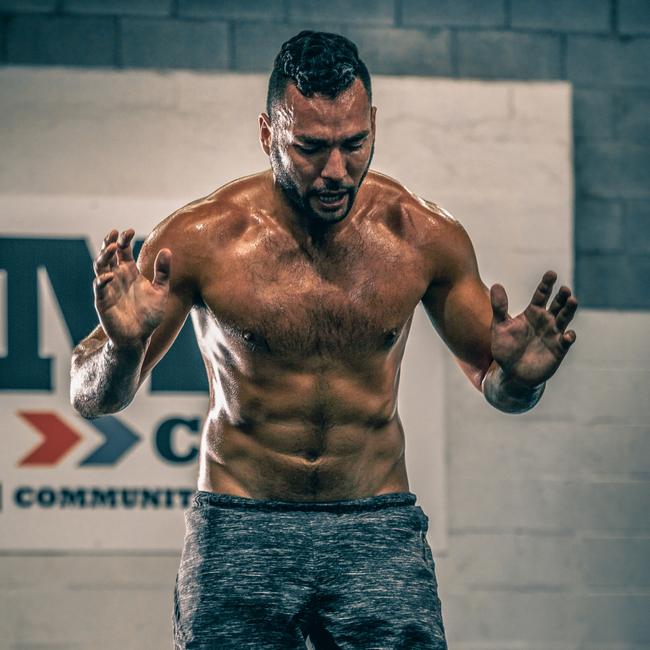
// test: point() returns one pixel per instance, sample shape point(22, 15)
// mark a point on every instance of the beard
point(301, 200)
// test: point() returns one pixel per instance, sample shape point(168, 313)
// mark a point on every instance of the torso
point(303, 346)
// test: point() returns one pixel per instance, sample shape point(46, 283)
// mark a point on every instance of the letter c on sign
point(164, 435)
point(24, 497)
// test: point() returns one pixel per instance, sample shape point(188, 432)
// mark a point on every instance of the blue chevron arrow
point(118, 440)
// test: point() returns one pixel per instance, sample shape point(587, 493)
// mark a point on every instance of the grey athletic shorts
point(266, 574)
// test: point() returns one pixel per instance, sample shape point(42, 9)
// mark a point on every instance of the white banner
point(85, 151)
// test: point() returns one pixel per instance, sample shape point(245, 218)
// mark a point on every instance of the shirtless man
point(302, 281)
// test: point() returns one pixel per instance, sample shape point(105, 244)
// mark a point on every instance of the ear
point(373, 113)
point(266, 133)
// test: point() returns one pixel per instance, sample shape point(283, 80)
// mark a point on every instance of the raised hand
point(530, 347)
point(129, 306)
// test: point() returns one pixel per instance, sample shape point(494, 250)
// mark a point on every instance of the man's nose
point(335, 168)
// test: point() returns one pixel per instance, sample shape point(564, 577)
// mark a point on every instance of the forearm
point(508, 395)
point(104, 378)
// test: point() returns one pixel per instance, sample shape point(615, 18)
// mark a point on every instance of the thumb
point(499, 301)
point(162, 268)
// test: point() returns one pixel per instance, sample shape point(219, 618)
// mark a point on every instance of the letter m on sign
point(68, 263)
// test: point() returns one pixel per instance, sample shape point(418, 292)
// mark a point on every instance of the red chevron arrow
point(59, 438)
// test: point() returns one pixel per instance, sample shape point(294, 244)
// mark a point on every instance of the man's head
point(319, 128)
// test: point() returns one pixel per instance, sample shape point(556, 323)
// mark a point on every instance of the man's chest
point(280, 301)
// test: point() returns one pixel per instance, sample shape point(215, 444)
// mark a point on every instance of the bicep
point(458, 305)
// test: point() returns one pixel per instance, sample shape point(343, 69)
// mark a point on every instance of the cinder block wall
point(601, 46)
point(549, 511)
point(549, 527)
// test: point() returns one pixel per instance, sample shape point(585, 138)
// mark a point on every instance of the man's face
point(320, 149)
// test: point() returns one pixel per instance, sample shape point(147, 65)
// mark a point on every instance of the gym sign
point(120, 481)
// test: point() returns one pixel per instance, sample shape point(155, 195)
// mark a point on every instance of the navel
point(312, 455)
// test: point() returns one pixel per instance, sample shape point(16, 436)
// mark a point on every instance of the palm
point(129, 305)
point(531, 346)
point(132, 307)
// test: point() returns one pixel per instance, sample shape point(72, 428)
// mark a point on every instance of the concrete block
point(545, 621)
point(612, 169)
point(615, 563)
point(450, 13)
point(25, 6)
point(596, 394)
point(232, 9)
point(613, 281)
point(79, 90)
point(628, 351)
point(536, 109)
point(548, 450)
point(507, 113)
point(512, 620)
point(78, 617)
point(599, 225)
point(403, 51)
point(119, 7)
point(156, 43)
point(75, 134)
point(637, 227)
point(34, 572)
point(599, 61)
point(577, 394)
point(633, 16)
point(622, 507)
point(632, 110)
point(367, 12)
point(493, 504)
point(500, 505)
point(593, 112)
point(257, 44)
point(561, 15)
point(507, 55)
point(509, 561)
point(611, 619)
point(61, 40)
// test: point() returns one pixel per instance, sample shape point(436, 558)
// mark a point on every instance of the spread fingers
point(106, 260)
point(566, 313)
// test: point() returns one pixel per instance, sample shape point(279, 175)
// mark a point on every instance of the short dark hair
point(317, 63)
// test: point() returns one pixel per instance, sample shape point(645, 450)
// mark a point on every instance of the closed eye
point(306, 150)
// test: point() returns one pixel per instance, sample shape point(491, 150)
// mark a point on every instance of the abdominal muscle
point(300, 427)
point(286, 462)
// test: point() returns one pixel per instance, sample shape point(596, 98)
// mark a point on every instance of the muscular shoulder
point(215, 215)
point(197, 232)
point(435, 232)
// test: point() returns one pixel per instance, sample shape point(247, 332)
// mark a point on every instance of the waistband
point(378, 502)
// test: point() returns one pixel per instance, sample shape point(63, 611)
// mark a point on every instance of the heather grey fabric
point(353, 574)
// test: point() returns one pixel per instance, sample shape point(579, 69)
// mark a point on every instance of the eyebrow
point(319, 141)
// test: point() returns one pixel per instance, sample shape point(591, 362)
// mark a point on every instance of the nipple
point(390, 337)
